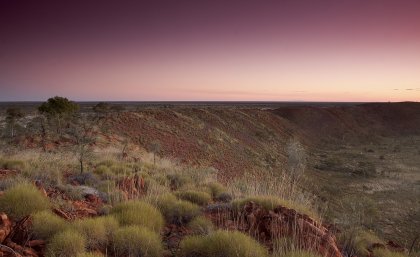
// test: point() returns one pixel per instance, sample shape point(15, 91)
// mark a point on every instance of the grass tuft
point(197, 197)
point(94, 231)
point(137, 241)
point(68, 243)
point(23, 200)
point(46, 224)
point(221, 243)
point(201, 226)
point(177, 211)
point(138, 213)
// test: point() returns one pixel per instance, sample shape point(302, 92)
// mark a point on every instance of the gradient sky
point(355, 50)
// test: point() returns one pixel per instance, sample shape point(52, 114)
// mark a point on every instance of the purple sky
point(210, 50)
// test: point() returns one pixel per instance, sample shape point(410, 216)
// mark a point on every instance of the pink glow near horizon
point(278, 52)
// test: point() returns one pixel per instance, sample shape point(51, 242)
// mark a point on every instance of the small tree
point(296, 160)
point(101, 109)
point(155, 147)
point(58, 108)
point(13, 115)
point(83, 138)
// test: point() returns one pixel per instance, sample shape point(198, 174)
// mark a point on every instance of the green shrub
point(46, 224)
point(12, 164)
point(216, 189)
point(94, 231)
point(68, 243)
point(177, 211)
point(22, 200)
point(11, 181)
point(271, 202)
point(103, 171)
point(111, 225)
point(137, 241)
point(382, 252)
point(200, 198)
point(176, 181)
point(107, 163)
point(138, 213)
point(201, 226)
point(362, 240)
point(221, 244)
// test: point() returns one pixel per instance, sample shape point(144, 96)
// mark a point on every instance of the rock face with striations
point(5, 227)
point(267, 226)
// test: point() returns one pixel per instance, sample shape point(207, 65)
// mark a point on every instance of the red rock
point(61, 213)
point(34, 243)
point(5, 226)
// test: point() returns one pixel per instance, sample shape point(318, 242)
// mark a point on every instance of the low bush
point(12, 164)
point(22, 200)
point(216, 189)
point(103, 171)
point(111, 225)
point(197, 197)
point(271, 202)
point(201, 226)
point(138, 213)
point(224, 197)
point(176, 181)
point(11, 181)
point(137, 241)
point(94, 231)
point(360, 241)
point(46, 224)
point(68, 243)
point(177, 211)
point(221, 243)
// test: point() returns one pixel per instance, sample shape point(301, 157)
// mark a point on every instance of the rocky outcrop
point(266, 226)
point(5, 227)
point(132, 186)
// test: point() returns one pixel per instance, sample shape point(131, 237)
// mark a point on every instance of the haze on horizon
point(210, 50)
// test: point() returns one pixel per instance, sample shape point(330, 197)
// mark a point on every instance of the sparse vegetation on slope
point(221, 243)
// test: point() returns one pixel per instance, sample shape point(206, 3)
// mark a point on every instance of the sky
point(289, 50)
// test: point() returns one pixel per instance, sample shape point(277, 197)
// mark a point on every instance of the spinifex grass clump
point(201, 226)
point(197, 197)
point(221, 243)
point(68, 243)
point(22, 200)
point(46, 224)
point(362, 240)
point(12, 164)
point(137, 241)
point(216, 189)
point(138, 213)
point(177, 211)
point(95, 232)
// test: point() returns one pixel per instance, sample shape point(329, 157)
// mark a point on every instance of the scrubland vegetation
point(142, 200)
